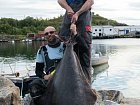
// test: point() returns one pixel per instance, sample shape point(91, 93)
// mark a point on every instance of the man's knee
point(37, 87)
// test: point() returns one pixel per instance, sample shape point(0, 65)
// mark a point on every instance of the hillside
point(96, 20)
point(99, 20)
point(9, 26)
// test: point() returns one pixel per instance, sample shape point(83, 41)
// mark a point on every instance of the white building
point(102, 30)
point(113, 30)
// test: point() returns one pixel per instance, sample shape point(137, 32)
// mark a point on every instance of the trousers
point(84, 31)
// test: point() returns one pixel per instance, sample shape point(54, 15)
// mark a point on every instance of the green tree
point(11, 26)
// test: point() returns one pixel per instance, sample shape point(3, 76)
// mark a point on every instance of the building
point(102, 30)
point(108, 30)
point(40, 35)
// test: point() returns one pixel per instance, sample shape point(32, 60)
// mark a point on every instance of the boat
point(26, 40)
point(20, 78)
point(98, 69)
point(23, 77)
point(99, 59)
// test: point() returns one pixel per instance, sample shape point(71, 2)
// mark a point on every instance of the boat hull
point(99, 60)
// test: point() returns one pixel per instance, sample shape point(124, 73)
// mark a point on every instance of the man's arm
point(86, 6)
point(80, 40)
point(65, 5)
point(39, 70)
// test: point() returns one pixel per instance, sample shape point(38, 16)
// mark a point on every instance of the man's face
point(50, 34)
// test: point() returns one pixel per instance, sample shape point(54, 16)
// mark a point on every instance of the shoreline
point(115, 36)
point(93, 37)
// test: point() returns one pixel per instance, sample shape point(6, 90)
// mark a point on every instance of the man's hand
point(47, 77)
point(73, 29)
point(75, 17)
point(70, 13)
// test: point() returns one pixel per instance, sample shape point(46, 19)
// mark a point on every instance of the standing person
point(79, 12)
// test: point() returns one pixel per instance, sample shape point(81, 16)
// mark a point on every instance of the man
point(49, 56)
point(78, 12)
point(47, 59)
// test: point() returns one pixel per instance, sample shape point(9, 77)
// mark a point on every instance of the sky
point(123, 11)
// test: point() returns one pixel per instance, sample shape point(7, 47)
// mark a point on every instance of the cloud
point(135, 6)
point(22, 8)
point(119, 10)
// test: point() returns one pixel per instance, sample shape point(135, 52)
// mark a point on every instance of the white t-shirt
point(53, 53)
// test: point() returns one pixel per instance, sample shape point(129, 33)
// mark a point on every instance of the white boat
point(26, 40)
point(99, 59)
point(14, 68)
point(24, 76)
point(17, 72)
point(98, 69)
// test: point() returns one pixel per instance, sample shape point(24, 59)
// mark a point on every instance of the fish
point(68, 86)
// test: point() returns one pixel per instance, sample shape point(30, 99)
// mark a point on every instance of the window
point(95, 29)
point(110, 29)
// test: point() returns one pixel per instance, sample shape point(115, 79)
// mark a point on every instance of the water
point(124, 66)
point(121, 73)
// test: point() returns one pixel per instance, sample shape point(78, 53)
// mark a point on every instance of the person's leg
point(84, 29)
point(37, 88)
point(65, 27)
